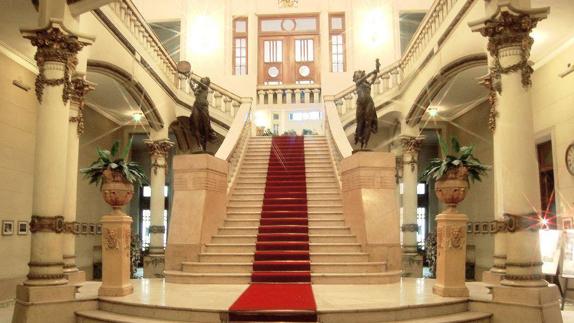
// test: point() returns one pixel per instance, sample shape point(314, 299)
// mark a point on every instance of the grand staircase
point(336, 256)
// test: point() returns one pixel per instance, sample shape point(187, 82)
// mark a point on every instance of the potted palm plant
point(453, 172)
point(115, 175)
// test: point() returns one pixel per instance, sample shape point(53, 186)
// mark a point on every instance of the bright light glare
point(375, 30)
point(260, 119)
point(432, 111)
point(137, 116)
point(203, 35)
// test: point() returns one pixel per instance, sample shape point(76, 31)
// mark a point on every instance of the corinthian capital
point(411, 144)
point(55, 43)
point(159, 148)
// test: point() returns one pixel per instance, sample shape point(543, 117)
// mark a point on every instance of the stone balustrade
point(421, 45)
point(288, 94)
point(220, 99)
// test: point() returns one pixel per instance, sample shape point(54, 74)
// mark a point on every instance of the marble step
point(247, 267)
point(312, 188)
point(464, 317)
point(263, 180)
point(311, 208)
point(312, 230)
point(259, 196)
point(316, 257)
point(118, 312)
point(259, 171)
point(313, 247)
point(316, 278)
point(310, 203)
point(231, 223)
point(308, 176)
point(317, 238)
point(337, 216)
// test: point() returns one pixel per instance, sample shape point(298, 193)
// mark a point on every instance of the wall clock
point(570, 159)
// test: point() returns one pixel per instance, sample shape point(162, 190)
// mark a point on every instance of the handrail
point(399, 71)
point(128, 13)
point(336, 130)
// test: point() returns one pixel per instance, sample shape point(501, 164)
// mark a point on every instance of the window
point(240, 46)
point(169, 34)
point(337, 41)
point(300, 116)
point(408, 24)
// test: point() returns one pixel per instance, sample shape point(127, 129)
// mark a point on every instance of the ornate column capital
point(510, 27)
point(411, 146)
point(55, 43)
point(80, 87)
point(159, 149)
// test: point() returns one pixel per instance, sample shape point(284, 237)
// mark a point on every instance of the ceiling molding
point(18, 57)
point(102, 111)
point(552, 55)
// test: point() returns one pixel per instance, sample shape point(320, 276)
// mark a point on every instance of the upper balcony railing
point(288, 94)
point(392, 77)
point(220, 99)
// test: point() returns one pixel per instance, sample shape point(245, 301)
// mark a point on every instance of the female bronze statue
point(199, 121)
point(366, 114)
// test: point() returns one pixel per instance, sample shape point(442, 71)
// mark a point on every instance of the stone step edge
point(229, 264)
point(111, 317)
point(378, 274)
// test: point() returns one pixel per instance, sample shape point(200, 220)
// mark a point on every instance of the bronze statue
point(199, 120)
point(366, 114)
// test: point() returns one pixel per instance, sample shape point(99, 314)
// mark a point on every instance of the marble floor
point(329, 298)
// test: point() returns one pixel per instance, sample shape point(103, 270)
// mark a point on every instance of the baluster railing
point(288, 94)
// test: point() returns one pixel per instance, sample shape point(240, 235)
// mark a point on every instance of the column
point(507, 27)
point(154, 262)
point(56, 59)
point(80, 88)
point(412, 261)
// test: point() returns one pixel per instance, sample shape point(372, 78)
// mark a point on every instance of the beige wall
point(17, 138)
point(553, 112)
point(372, 32)
point(90, 204)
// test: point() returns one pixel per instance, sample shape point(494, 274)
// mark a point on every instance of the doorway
point(288, 50)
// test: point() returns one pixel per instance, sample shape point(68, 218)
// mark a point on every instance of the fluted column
point(412, 262)
point(80, 88)
point(56, 59)
point(159, 150)
point(515, 171)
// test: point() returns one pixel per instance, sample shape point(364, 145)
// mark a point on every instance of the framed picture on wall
point(477, 227)
point(99, 229)
point(485, 227)
point(566, 223)
point(492, 227)
point(7, 227)
point(84, 228)
point(92, 228)
point(22, 228)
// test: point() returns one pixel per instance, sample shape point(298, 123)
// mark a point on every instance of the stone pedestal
point(116, 239)
point(199, 206)
point(451, 255)
point(369, 205)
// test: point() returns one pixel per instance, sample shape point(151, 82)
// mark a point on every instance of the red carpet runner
point(280, 287)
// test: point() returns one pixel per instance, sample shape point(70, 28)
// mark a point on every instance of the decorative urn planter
point(451, 188)
point(116, 190)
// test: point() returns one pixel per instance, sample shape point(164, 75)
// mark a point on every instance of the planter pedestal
point(116, 239)
point(451, 255)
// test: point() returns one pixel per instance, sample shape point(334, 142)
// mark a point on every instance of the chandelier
point(288, 3)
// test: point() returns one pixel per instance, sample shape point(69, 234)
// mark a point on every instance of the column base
point(524, 283)
point(412, 265)
point(154, 265)
point(492, 278)
point(35, 294)
point(57, 311)
point(449, 291)
point(528, 305)
point(116, 290)
point(75, 277)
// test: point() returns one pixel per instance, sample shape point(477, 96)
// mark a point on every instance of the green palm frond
point(130, 170)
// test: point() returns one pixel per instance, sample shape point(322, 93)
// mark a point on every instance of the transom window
point(240, 46)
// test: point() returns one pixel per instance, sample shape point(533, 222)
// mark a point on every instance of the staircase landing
point(409, 301)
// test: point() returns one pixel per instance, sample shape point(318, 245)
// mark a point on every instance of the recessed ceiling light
point(137, 116)
point(432, 111)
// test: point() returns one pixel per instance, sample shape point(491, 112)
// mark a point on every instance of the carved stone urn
point(116, 190)
point(451, 188)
